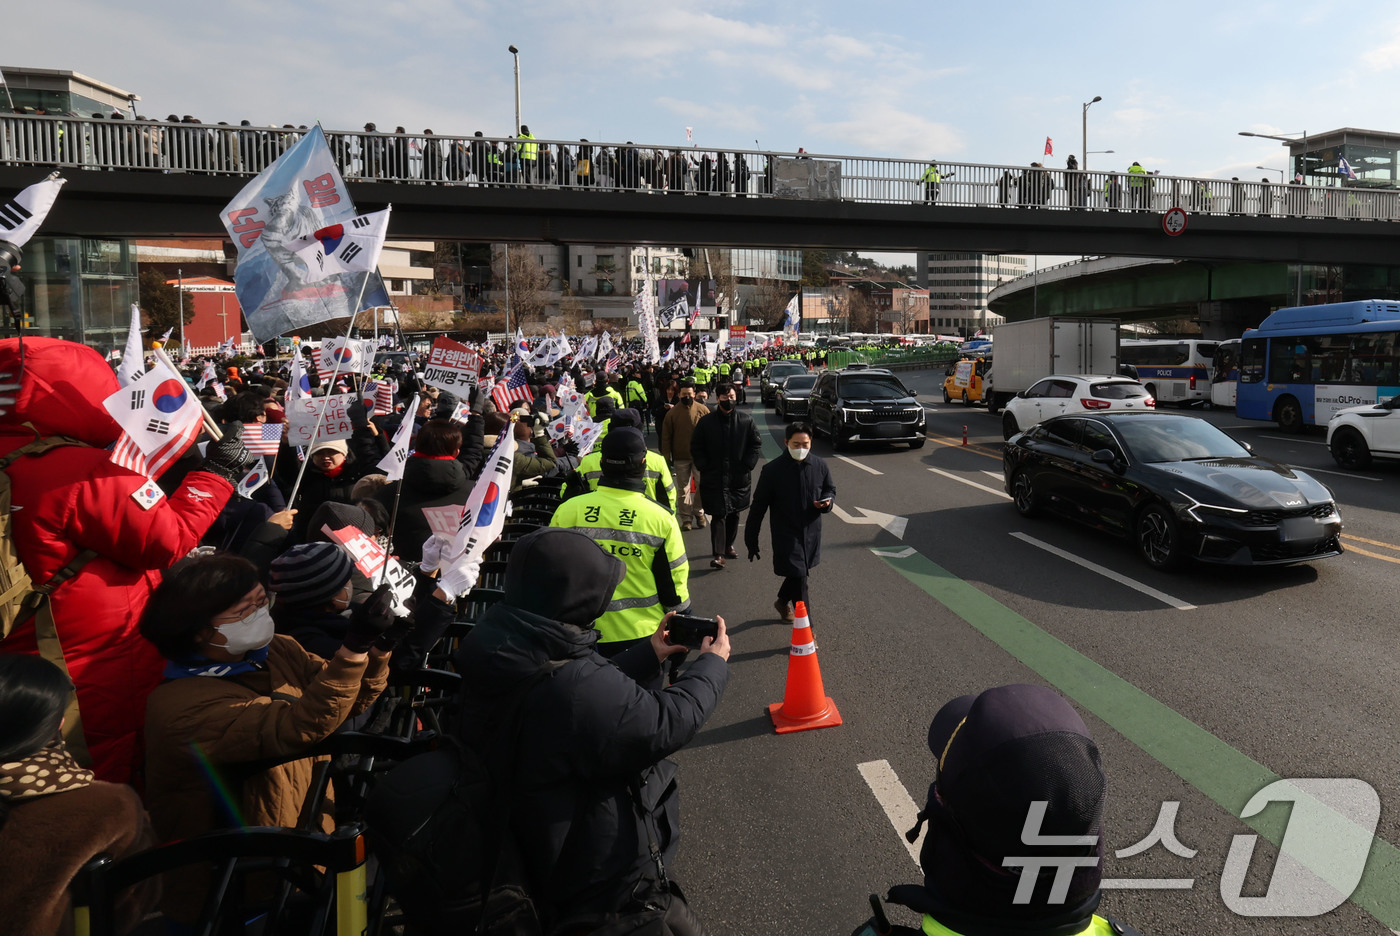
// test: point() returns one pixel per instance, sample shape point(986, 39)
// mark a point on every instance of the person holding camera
point(594, 801)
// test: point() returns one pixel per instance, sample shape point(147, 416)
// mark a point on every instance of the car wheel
point(1349, 450)
point(1023, 495)
point(1008, 425)
point(993, 404)
point(1288, 413)
point(966, 400)
point(917, 444)
point(946, 397)
point(1158, 537)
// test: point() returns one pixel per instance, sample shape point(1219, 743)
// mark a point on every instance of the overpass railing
point(584, 166)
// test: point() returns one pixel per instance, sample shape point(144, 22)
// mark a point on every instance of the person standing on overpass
point(1138, 185)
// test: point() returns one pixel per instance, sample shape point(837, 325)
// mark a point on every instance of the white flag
point(350, 247)
point(300, 384)
point(207, 377)
point(21, 216)
point(133, 363)
point(605, 347)
point(482, 519)
point(393, 463)
point(254, 479)
point(166, 337)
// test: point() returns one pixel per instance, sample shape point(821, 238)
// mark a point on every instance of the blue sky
point(959, 81)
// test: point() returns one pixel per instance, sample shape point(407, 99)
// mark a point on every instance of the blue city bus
point(1302, 364)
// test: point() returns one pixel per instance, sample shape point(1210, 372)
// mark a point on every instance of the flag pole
point(394, 517)
point(321, 414)
point(209, 424)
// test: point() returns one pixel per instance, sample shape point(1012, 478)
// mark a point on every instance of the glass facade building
point(78, 289)
point(1373, 155)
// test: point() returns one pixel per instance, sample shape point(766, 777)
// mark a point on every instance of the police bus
point(1225, 373)
point(1302, 364)
point(1174, 370)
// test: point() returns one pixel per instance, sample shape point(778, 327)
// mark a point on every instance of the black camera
point(689, 631)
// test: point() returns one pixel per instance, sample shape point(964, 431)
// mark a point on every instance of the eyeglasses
point(240, 611)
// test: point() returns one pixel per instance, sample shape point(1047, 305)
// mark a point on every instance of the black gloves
point(372, 621)
point(229, 458)
point(359, 415)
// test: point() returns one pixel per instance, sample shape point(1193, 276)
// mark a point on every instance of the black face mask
point(686, 400)
point(726, 405)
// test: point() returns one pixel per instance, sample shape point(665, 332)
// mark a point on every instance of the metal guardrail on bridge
point(425, 159)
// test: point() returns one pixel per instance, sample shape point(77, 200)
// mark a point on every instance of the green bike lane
point(892, 653)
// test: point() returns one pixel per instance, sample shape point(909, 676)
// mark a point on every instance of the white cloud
point(1386, 55)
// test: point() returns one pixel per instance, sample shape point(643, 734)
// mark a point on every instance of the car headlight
point(1200, 510)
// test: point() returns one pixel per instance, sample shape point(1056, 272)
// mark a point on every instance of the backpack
point(21, 599)
point(440, 825)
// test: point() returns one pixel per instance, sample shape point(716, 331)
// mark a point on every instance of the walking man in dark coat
point(796, 489)
point(725, 447)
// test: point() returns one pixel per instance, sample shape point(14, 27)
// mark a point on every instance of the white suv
point(1357, 433)
point(1072, 393)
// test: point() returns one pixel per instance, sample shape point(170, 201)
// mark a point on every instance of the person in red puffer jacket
point(73, 498)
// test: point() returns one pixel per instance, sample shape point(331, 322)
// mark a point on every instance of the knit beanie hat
point(310, 574)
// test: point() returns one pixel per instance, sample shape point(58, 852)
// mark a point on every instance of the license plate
point(888, 430)
point(1295, 529)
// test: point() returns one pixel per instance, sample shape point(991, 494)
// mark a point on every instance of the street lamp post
point(1084, 133)
point(1267, 169)
point(516, 53)
point(1286, 138)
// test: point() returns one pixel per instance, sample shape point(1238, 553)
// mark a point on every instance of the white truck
point(1024, 352)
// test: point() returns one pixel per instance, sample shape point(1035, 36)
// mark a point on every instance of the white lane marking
point(1151, 883)
point(995, 474)
point(1147, 590)
point(895, 800)
point(980, 487)
point(1294, 439)
point(852, 461)
point(1340, 474)
point(904, 553)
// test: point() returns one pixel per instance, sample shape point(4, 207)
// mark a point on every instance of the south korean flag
point(253, 480)
point(21, 216)
point(349, 247)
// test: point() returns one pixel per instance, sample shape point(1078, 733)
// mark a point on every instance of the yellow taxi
point(963, 380)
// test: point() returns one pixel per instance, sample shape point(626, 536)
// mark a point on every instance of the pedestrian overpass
point(151, 179)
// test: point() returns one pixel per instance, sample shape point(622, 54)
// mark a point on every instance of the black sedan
point(773, 376)
point(794, 396)
point(1176, 486)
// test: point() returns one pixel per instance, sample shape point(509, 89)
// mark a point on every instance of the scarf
point(51, 769)
point(253, 661)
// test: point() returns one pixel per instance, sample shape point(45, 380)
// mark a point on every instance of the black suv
point(866, 405)
point(773, 376)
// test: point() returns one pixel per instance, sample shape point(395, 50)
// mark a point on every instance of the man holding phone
point(796, 489)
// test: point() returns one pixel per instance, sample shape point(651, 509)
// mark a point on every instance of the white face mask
point(250, 633)
point(799, 453)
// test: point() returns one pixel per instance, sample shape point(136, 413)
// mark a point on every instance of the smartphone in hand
point(689, 631)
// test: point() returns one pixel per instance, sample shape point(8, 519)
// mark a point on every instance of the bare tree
point(527, 281)
point(861, 312)
point(769, 301)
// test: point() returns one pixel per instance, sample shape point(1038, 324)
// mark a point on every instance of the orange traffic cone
point(805, 703)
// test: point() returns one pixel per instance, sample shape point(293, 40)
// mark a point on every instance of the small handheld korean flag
point(253, 480)
point(482, 520)
point(300, 384)
point(160, 414)
point(21, 216)
point(393, 463)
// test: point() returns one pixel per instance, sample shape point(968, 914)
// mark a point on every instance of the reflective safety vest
point(660, 486)
point(528, 151)
point(931, 174)
point(1139, 176)
point(1098, 926)
point(636, 393)
point(593, 398)
point(724, 370)
point(644, 535)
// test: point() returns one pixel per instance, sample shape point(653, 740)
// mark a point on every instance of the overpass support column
point(1228, 318)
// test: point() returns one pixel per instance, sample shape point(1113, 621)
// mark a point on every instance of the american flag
point(128, 455)
point(262, 438)
point(384, 396)
point(513, 388)
point(611, 364)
